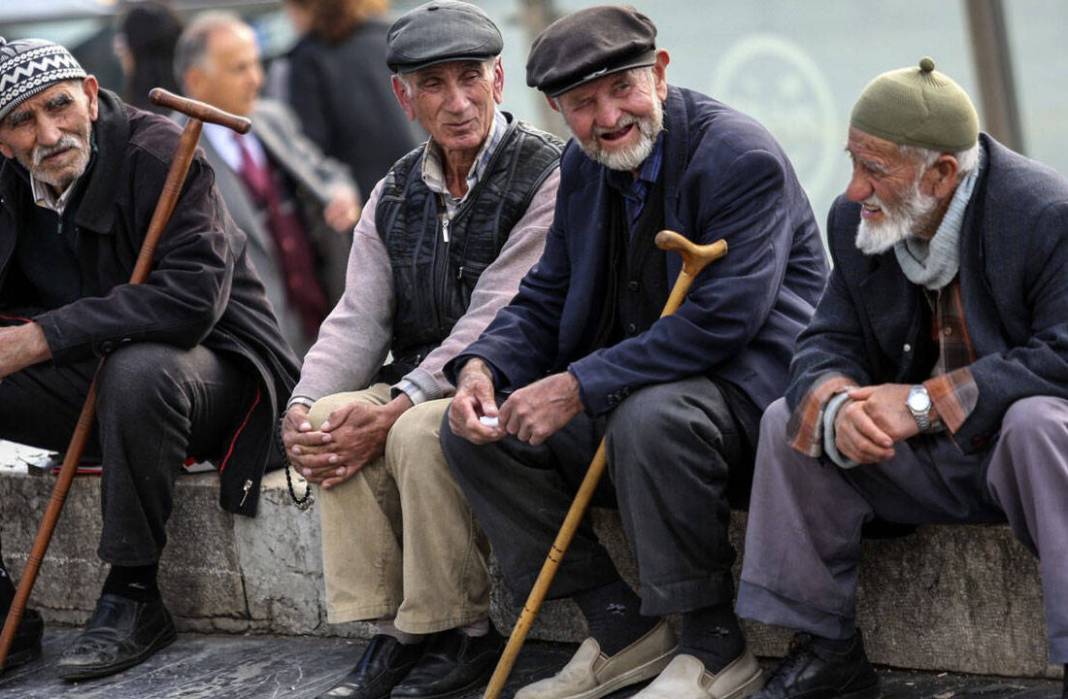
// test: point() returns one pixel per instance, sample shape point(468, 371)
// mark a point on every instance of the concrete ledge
point(957, 598)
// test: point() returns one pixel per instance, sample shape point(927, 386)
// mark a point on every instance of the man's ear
point(405, 101)
point(553, 104)
point(91, 88)
point(660, 73)
point(943, 176)
point(498, 81)
point(5, 151)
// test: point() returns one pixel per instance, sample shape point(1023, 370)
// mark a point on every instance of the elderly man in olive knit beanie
point(929, 386)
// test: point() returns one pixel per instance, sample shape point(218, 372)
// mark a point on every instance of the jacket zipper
point(246, 488)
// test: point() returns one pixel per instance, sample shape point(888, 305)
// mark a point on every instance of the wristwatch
point(919, 404)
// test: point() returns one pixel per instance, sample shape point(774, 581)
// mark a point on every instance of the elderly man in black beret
point(930, 386)
point(581, 353)
point(444, 239)
point(196, 365)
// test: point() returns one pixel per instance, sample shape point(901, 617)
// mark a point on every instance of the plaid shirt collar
point(433, 171)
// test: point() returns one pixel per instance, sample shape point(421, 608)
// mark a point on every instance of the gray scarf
point(934, 263)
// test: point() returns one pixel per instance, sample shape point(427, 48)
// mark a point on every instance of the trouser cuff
point(687, 595)
point(768, 607)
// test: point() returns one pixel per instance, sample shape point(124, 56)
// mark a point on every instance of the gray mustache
point(65, 142)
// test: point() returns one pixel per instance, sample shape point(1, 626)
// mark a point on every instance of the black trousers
point(675, 453)
point(156, 405)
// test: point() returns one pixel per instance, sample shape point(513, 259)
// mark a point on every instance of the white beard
point(908, 218)
point(631, 157)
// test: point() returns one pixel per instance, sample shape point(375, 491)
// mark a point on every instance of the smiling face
point(891, 189)
point(454, 102)
point(617, 118)
point(49, 133)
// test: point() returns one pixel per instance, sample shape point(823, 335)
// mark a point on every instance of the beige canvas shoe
point(591, 674)
point(685, 677)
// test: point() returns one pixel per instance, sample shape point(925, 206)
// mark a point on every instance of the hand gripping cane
point(694, 259)
point(198, 112)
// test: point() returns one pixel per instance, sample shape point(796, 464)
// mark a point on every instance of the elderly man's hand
point(351, 437)
point(343, 210)
point(536, 412)
point(22, 346)
point(474, 399)
point(873, 421)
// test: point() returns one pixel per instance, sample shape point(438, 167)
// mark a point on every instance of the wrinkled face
point(888, 186)
point(229, 75)
point(453, 101)
point(49, 134)
point(617, 118)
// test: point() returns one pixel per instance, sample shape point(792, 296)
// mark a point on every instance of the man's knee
point(322, 408)
point(413, 441)
point(659, 410)
point(140, 374)
point(773, 423)
point(1037, 417)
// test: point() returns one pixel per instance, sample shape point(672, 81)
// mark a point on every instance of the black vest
point(637, 270)
point(433, 278)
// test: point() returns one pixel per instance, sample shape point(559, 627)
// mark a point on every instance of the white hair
point(967, 160)
point(409, 86)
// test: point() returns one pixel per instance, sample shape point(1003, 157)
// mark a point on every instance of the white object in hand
point(488, 421)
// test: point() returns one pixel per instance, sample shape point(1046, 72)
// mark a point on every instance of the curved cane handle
point(198, 110)
point(694, 257)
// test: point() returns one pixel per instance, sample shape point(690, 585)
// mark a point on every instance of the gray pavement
point(262, 667)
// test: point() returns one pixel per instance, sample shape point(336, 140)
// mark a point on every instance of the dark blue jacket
point(725, 177)
point(1014, 284)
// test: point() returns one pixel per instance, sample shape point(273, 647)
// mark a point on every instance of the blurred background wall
point(795, 65)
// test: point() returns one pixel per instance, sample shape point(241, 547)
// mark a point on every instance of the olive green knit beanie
point(918, 107)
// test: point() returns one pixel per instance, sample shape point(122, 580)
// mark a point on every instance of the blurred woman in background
point(339, 85)
point(144, 44)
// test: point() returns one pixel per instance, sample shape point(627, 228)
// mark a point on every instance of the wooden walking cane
point(198, 112)
point(694, 259)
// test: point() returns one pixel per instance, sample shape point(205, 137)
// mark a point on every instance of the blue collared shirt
point(635, 190)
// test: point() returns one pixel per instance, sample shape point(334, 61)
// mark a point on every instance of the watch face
point(919, 401)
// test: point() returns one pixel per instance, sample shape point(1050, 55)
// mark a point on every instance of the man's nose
point(48, 131)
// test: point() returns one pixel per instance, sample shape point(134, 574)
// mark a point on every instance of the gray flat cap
point(589, 44)
point(440, 31)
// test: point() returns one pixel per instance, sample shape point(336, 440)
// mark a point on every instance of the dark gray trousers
point(156, 405)
point(672, 451)
point(802, 546)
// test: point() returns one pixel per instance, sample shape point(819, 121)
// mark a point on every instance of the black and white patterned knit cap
point(30, 66)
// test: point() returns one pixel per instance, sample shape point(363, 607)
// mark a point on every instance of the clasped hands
point(873, 420)
point(351, 437)
point(532, 414)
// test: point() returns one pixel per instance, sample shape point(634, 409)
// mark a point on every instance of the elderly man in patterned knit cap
point(196, 365)
point(930, 386)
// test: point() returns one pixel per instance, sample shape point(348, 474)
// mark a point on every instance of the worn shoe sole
point(751, 686)
point(633, 676)
point(88, 672)
point(872, 692)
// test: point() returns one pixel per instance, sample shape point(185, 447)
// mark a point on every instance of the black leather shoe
point(384, 663)
point(813, 671)
point(120, 634)
point(453, 664)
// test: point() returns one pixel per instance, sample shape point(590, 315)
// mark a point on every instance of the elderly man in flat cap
point(581, 353)
point(930, 386)
point(196, 364)
point(443, 242)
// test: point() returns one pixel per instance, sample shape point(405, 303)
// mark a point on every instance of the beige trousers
point(398, 537)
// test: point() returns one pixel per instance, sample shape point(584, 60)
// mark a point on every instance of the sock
point(133, 582)
point(836, 645)
point(613, 613)
point(712, 635)
point(386, 627)
point(476, 628)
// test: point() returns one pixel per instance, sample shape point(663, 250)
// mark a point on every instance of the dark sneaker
point(813, 670)
point(384, 663)
point(121, 633)
point(453, 664)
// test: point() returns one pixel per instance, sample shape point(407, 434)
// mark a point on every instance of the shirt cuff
point(804, 432)
point(300, 400)
point(954, 395)
point(410, 389)
point(830, 446)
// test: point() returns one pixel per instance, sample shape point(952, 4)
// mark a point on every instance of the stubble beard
point(60, 178)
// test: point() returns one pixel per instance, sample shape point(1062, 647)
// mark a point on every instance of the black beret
point(589, 44)
point(440, 31)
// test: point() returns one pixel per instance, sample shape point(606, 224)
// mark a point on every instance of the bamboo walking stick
point(694, 259)
point(198, 112)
